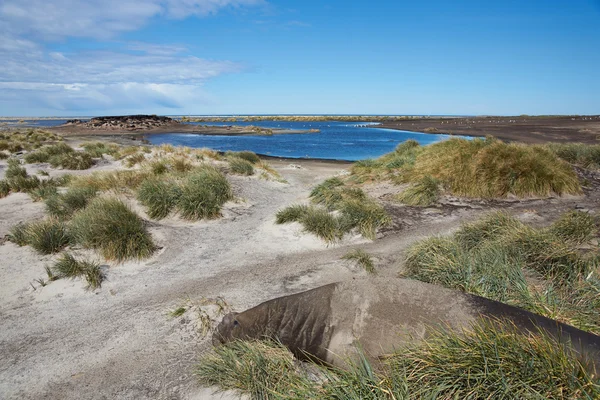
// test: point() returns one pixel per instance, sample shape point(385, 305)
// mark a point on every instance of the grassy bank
point(489, 360)
point(548, 271)
point(480, 168)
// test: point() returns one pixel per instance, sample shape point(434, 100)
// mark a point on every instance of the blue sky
point(97, 57)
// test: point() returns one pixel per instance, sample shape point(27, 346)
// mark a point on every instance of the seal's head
point(226, 330)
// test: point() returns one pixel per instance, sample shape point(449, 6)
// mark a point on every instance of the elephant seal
point(381, 314)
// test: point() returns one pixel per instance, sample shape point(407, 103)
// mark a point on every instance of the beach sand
point(120, 342)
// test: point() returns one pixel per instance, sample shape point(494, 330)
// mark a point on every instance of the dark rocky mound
point(125, 122)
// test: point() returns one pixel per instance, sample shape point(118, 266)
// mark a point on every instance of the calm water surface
point(349, 141)
point(337, 140)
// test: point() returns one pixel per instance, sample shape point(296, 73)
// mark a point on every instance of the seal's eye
point(235, 323)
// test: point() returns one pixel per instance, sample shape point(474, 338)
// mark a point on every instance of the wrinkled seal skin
point(382, 314)
point(300, 322)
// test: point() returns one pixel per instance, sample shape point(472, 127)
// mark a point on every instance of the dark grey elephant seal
point(381, 314)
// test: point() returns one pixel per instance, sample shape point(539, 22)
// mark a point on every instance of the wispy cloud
point(130, 74)
point(100, 19)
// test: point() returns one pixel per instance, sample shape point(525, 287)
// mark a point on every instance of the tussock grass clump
point(498, 256)
point(240, 166)
point(181, 164)
point(575, 226)
point(19, 140)
point(46, 153)
point(112, 228)
point(135, 159)
point(18, 179)
point(494, 360)
point(159, 197)
point(45, 190)
point(203, 194)
point(365, 215)
point(293, 213)
point(490, 360)
point(327, 193)
point(422, 193)
point(158, 167)
point(48, 236)
point(584, 155)
point(249, 156)
point(24, 184)
point(97, 149)
point(18, 234)
point(15, 169)
point(121, 181)
point(4, 188)
point(64, 205)
point(362, 258)
point(262, 370)
point(69, 267)
point(322, 224)
point(354, 211)
point(476, 168)
point(491, 168)
point(75, 160)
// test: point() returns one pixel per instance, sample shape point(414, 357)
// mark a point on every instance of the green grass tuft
point(365, 215)
point(484, 168)
point(69, 267)
point(15, 170)
point(4, 188)
point(203, 194)
point(262, 370)
point(240, 166)
point(18, 234)
point(73, 161)
point(112, 228)
point(575, 226)
point(362, 258)
point(293, 213)
point(322, 224)
point(245, 155)
point(584, 155)
point(178, 312)
point(423, 193)
point(48, 236)
point(159, 197)
point(490, 360)
point(503, 259)
point(64, 205)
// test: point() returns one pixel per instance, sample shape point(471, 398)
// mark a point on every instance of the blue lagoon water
point(349, 141)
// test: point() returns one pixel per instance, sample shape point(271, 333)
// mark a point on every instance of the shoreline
point(524, 129)
point(175, 128)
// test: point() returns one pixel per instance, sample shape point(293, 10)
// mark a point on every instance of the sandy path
point(62, 342)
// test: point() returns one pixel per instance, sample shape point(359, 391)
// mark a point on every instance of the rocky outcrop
point(124, 123)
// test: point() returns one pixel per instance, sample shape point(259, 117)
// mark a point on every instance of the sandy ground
point(524, 128)
point(119, 342)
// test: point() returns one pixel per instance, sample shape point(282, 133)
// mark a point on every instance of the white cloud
point(131, 75)
point(95, 80)
point(101, 19)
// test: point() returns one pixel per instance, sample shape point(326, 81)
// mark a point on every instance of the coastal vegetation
point(548, 271)
point(362, 259)
point(111, 227)
point(480, 168)
point(67, 266)
point(489, 360)
point(337, 210)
